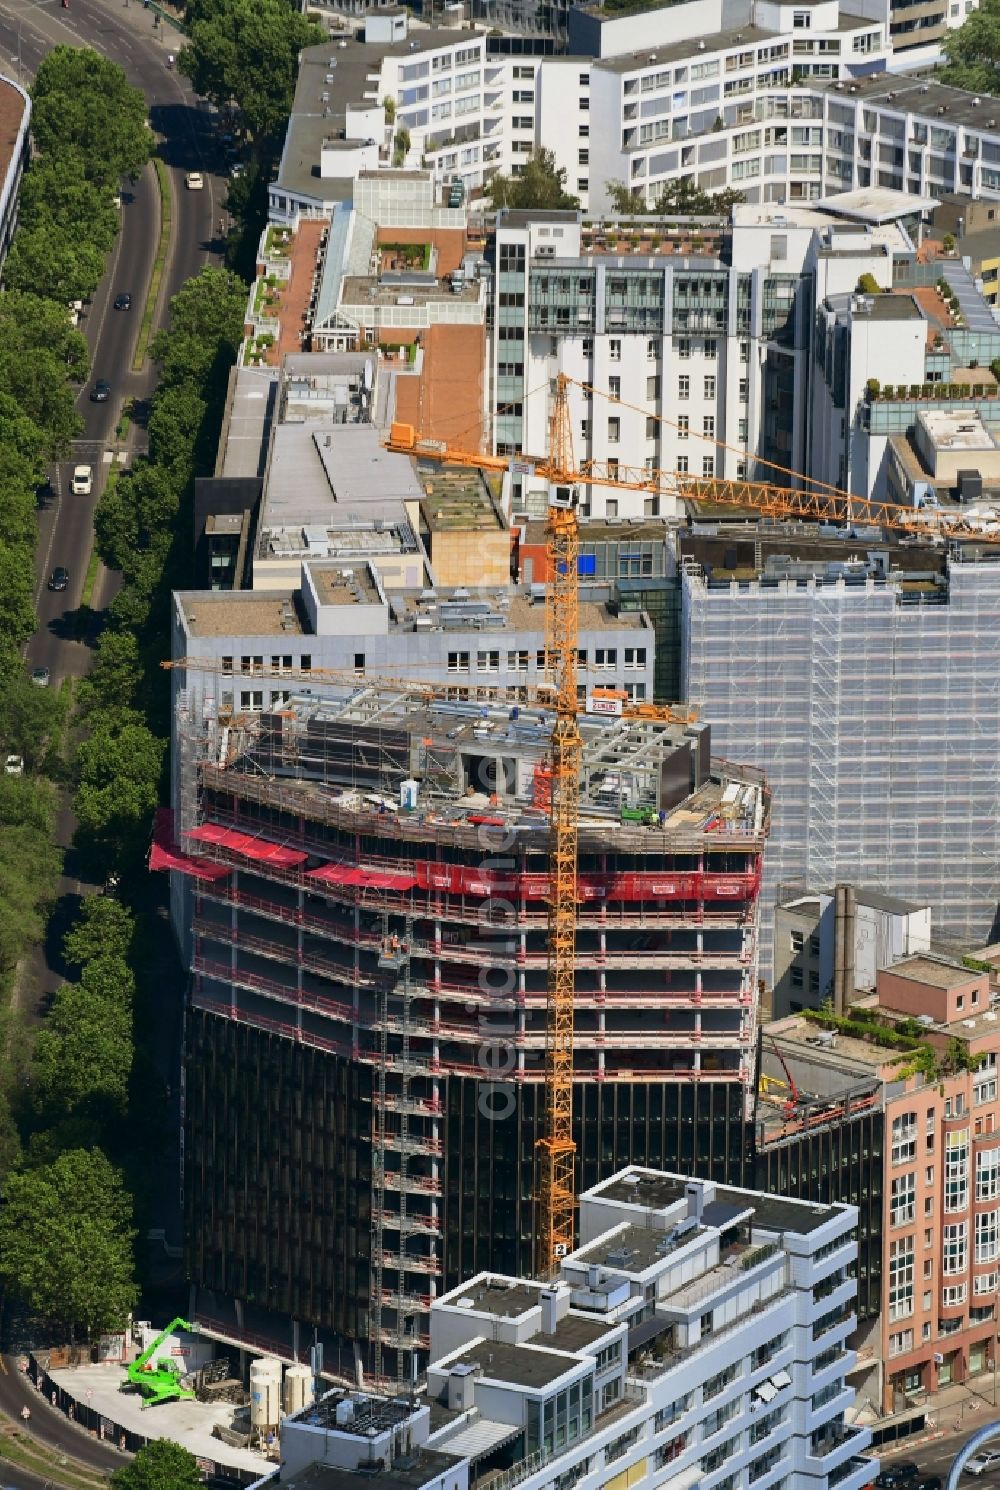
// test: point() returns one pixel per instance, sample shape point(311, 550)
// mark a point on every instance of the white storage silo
point(265, 1393)
point(298, 1389)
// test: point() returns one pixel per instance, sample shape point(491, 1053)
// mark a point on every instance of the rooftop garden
point(277, 242)
point(405, 256)
point(877, 392)
point(906, 1036)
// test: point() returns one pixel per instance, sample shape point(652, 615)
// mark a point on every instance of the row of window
point(488, 660)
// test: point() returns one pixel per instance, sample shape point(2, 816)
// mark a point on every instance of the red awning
point(166, 855)
point(249, 846)
point(376, 879)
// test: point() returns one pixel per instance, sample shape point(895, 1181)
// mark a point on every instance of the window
point(798, 977)
point(987, 1174)
point(252, 700)
point(488, 662)
point(711, 349)
point(903, 1206)
point(584, 131)
point(796, 940)
point(682, 426)
point(744, 386)
point(988, 1236)
point(583, 157)
point(985, 1283)
point(709, 387)
point(606, 657)
point(681, 464)
point(744, 351)
point(517, 662)
point(708, 426)
point(956, 1247)
point(251, 664)
point(458, 662)
point(904, 1137)
point(683, 387)
point(956, 1171)
point(652, 350)
point(651, 426)
point(359, 662)
point(928, 1267)
point(801, 20)
point(683, 348)
point(952, 1295)
point(305, 662)
point(227, 664)
point(901, 1342)
point(901, 1278)
point(614, 431)
point(635, 657)
point(653, 386)
point(614, 349)
point(614, 387)
point(585, 429)
point(708, 469)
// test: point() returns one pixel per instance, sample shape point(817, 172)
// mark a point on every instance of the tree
point(29, 863)
point(82, 101)
point(103, 929)
point(17, 607)
point(66, 1240)
point(118, 767)
point(82, 1057)
point(174, 426)
point(36, 381)
point(57, 193)
point(541, 185)
point(116, 674)
point(679, 197)
point(159, 1465)
point(973, 51)
point(248, 51)
point(29, 716)
point(205, 329)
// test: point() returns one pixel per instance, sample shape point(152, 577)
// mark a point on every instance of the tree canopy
point(83, 102)
point(973, 51)
point(66, 1239)
point(679, 197)
point(247, 52)
point(542, 185)
point(118, 766)
point(159, 1465)
point(83, 1056)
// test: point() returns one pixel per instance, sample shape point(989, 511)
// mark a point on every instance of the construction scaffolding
point(366, 882)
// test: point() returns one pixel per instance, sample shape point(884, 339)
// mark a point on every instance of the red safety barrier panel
point(248, 845)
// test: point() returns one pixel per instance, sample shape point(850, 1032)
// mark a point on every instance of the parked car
point(123, 301)
point(83, 481)
point(40, 677)
point(194, 181)
point(985, 1460)
point(15, 765)
point(897, 1476)
point(931, 1482)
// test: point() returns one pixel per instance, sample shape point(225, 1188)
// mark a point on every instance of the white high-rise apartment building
point(697, 1337)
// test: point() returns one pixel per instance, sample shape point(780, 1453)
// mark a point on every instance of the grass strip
point(159, 263)
point(92, 567)
point(59, 1468)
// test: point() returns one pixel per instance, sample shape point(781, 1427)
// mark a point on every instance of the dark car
point(101, 391)
point(59, 578)
point(123, 302)
point(896, 1476)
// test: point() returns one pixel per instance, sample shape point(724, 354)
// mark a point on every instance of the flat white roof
point(876, 204)
point(953, 431)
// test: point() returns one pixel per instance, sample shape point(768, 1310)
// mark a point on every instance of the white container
point(408, 793)
point(298, 1389)
point(265, 1393)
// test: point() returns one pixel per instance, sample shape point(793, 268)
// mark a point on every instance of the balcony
point(833, 1448)
point(853, 1474)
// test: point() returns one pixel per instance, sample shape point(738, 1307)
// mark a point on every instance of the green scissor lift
point(158, 1380)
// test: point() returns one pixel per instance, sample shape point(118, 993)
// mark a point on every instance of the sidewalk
point(956, 1409)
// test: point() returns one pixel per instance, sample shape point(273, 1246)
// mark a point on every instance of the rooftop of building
point(444, 399)
point(14, 107)
point(916, 95)
point(936, 972)
point(508, 1298)
point(342, 70)
point(413, 1471)
point(399, 287)
point(954, 430)
point(443, 744)
point(526, 1365)
point(246, 430)
point(895, 306)
point(653, 1190)
point(791, 895)
point(775, 553)
point(734, 38)
point(876, 205)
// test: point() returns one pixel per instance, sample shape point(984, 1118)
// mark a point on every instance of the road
point(124, 31)
point(187, 142)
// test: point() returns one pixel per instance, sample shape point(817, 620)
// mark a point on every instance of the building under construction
point(361, 890)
